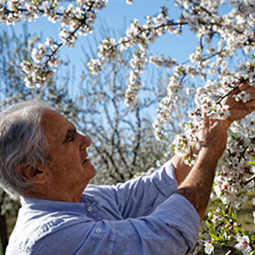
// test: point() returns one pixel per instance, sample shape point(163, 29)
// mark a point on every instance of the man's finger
point(251, 91)
point(206, 121)
point(244, 86)
point(250, 105)
point(241, 87)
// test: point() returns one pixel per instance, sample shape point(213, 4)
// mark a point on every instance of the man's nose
point(85, 142)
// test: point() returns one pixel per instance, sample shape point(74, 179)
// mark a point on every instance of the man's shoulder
point(34, 225)
point(28, 231)
point(93, 191)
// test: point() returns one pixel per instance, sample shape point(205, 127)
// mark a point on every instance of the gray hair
point(21, 141)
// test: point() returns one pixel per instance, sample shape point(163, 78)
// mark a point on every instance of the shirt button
point(98, 230)
point(89, 209)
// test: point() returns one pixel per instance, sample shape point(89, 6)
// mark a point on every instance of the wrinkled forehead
point(54, 125)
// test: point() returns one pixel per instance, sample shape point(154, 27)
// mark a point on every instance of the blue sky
point(118, 15)
point(173, 45)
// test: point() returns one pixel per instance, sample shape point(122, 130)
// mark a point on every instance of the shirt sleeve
point(171, 229)
point(140, 196)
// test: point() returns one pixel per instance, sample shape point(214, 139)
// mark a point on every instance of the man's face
point(69, 170)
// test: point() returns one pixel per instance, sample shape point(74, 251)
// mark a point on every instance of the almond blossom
point(243, 244)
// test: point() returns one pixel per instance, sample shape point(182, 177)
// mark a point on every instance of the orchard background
point(137, 87)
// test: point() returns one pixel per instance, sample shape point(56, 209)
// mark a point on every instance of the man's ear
point(32, 174)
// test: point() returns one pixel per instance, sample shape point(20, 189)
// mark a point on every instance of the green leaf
point(252, 237)
point(251, 163)
point(215, 238)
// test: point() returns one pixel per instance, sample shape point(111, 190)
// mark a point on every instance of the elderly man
point(44, 162)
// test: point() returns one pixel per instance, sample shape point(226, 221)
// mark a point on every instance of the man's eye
point(71, 139)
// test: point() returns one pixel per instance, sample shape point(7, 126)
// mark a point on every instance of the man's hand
point(196, 187)
point(213, 135)
point(239, 110)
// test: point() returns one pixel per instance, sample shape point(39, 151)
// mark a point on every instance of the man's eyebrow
point(69, 134)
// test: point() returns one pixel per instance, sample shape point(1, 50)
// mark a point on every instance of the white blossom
point(209, 248)
point(130, 2)
point(243, 244)
point(94, 66)
point(242, 96)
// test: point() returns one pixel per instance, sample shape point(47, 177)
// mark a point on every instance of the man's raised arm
point(195, 184)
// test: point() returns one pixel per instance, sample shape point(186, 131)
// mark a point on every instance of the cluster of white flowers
point(168, 102)
point(234, 176)
point(35, 75)
point(141, 35)
point(107, 49)
point(234, 30)
point(75, 19)
point(133, 87)
point(166, 107)
point(137, 62)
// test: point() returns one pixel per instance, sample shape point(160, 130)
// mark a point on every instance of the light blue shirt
point(140, 217)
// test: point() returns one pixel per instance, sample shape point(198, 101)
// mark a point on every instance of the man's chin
point(89, 166)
